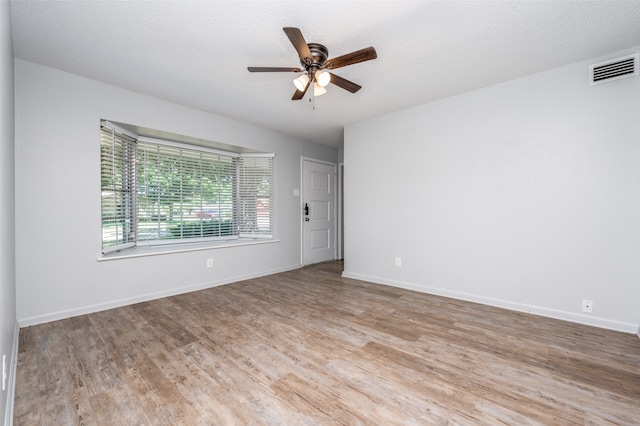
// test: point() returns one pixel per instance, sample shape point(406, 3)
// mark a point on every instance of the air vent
point(616, 69)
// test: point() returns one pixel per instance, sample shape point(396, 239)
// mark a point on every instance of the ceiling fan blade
point(344, 83)
point(273, 69)
point(298, 41)
point(361, 55)
point(300, 93)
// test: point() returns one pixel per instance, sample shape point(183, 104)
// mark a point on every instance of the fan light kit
point(313, 58)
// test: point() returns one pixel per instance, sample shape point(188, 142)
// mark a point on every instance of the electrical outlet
point(587, 306)
point(4, 372)
point(209, 263)
point(398, 261)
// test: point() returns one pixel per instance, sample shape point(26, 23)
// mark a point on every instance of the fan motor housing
point(320, 54)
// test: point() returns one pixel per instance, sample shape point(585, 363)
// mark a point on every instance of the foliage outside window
point(162, 192)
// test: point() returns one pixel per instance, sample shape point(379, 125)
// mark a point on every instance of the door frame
point(335, 205)
point(340, 206)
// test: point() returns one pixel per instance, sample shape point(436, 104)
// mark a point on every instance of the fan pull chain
point(312, 98)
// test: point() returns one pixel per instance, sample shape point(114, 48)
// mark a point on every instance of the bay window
point(157, 192)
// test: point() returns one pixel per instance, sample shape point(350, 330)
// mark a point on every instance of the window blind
point(183, 193)
point(117, 173)
point(255, 196)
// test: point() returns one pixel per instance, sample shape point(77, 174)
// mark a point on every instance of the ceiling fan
point(316, 66)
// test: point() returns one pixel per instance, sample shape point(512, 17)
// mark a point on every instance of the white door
point(318, 214)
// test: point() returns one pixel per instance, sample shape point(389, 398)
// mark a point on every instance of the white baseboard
point(59, 315)
point(11, 384)
point(514, 306)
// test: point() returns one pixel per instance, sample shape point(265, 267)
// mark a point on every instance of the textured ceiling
point(196, 53)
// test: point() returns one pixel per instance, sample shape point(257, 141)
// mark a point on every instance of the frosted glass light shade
point(323, 77)
point(301, 82)
point(318, 90)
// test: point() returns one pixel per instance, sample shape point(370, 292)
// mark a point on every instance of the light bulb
point(301, 82)
point(323, 77)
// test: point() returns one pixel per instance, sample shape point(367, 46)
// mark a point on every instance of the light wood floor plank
point(308, 347)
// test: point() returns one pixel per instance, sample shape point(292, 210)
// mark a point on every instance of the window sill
point(179, 248)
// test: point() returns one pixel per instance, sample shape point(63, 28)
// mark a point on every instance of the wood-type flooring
point(308, 347)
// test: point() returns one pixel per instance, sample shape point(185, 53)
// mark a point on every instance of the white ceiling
point(196, 53)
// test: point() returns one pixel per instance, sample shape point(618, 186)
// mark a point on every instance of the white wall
point(522, 195)
point(8, 330)
point(58, 198)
